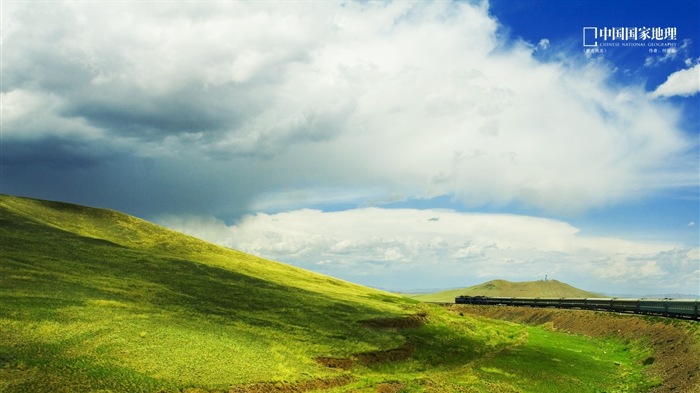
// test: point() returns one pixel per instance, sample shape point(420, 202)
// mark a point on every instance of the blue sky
point(668, 213)
point(400, 144)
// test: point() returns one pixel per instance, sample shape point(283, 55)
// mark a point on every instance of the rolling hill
point(95, 292)
point(93, 300)
point(496, 288)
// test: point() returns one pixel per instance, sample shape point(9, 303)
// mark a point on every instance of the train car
point(572, 302)
point(653, 306)
point(462, 299)
point(625, 305)
point(522, 301)
point(504, 301)
point(547, 302)
point(686, 308)
point(471, 299)
point(598, 303)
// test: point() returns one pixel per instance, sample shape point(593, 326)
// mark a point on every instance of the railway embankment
point(675, 344)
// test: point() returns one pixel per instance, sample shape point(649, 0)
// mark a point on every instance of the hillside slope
point(102, 228)
point(497, 288)
point(91, 292)
point(94, 300)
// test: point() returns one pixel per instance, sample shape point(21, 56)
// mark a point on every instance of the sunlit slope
point(496, 288)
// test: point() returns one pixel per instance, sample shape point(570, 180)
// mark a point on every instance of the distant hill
point(549, 288)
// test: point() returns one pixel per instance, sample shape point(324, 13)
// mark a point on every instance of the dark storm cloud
point(144, 187)
point(127, 110)
point(122, 106)
point(59, 153)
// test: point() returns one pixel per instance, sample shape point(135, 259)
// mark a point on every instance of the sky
point(402, 145)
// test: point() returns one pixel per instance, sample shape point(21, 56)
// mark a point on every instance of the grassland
point(497, 288)
point(94, 300)
point(673, 346)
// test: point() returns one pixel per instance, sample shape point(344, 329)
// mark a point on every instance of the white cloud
point(388, 99)
point(681, 83)
point(444, 248)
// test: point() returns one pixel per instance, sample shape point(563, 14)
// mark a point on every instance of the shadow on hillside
point(50, 268)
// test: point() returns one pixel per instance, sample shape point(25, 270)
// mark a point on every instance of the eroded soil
point(369, 358)
point(376, 357)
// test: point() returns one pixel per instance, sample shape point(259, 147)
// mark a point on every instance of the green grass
point(94, 300)
point(552, 359)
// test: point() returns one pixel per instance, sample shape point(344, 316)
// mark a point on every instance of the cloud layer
point(243, 104)
point(681, 83)
point(251, 111)
point(408, 248)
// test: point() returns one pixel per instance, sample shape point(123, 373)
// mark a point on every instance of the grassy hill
point(503, 288)
point(93, 300)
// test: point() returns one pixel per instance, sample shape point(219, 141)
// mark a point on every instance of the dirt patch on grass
point(339, 363)
point(370, 358)
point(384, 356)
point(676, 350)
point(391, 387)
point(292, 387)
point(389, 355)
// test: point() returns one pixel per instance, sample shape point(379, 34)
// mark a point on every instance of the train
point(675, 308)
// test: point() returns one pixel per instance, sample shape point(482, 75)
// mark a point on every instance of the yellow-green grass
point(95, 300)
point(499, 288)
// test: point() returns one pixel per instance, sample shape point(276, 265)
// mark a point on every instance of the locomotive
point(675, 308)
